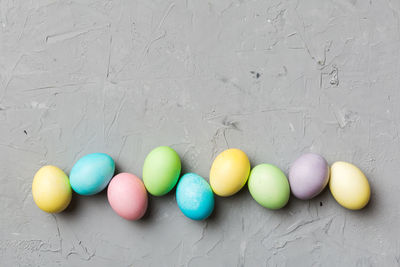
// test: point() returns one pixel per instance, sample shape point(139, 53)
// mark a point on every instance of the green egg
point(269, 186)
point(161, 170)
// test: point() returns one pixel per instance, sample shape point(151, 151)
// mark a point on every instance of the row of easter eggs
point(268, 185)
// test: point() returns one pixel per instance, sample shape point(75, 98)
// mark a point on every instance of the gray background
point(274, 78)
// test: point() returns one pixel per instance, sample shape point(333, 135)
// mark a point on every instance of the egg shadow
point(78, 201)
point(185, 168)
point(155, 203)
point(147, 216)
point(214, 214)
point(371, 207)
point(288, 207)
point(242, 196)
point(73, 207)
point(368, 211)
point(326, 198)
point(118, 169)
point(101, 196)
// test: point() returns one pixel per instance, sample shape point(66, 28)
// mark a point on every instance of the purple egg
point(308, 176)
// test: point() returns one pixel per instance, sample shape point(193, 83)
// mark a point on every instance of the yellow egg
point(51, 189)
point(349, 186)
point(229, 172)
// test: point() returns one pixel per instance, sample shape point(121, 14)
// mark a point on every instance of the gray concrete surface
point(274, 78)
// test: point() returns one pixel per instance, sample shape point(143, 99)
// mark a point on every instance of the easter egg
point(269, 186)
point(308, 176)
point(349, 186)
point(127, 196)
point(92, 173)
point(194, 197)
point(229, 172)
point(161, 170)
point(51, 189)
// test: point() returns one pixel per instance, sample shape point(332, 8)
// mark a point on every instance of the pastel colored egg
point(229, 172)
point(349, 186)
point(161, 170)
point(269, 186)
point(127, 196)
point(92, 173)
point(51, 189)
point(308, 176)
point(194, 197)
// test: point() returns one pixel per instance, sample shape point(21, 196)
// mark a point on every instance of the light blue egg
point(194, 197)
point(92, 173)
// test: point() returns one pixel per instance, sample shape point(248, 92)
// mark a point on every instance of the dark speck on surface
point(255, 74)
point(25, 132)
point(320, 204)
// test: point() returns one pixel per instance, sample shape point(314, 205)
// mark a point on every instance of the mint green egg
point(161, 170)
point(269, 186)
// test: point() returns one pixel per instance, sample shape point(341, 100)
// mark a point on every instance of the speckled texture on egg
point(194, 197)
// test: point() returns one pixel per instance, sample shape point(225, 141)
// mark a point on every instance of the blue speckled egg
point(194, 196)
point(92, 173)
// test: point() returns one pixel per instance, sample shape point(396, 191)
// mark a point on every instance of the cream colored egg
point(349, 186)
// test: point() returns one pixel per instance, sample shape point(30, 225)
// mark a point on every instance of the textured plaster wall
point(274, 78)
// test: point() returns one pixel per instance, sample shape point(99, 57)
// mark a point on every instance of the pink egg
point(127, 196)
